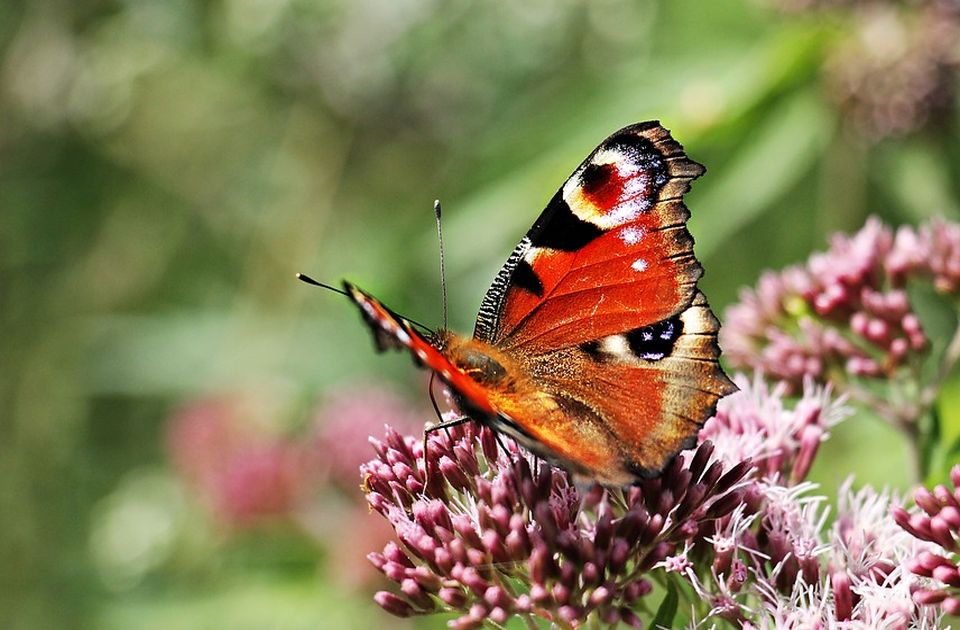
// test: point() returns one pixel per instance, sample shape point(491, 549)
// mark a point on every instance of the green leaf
point(668, 608)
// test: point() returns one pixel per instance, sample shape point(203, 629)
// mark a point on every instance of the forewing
point(392, 332)
point(610, 253)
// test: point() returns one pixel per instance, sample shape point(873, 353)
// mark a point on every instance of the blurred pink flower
point(896, 70)
point(342, 426)
point(338, 443)
point(243, 474)
point(260, 481)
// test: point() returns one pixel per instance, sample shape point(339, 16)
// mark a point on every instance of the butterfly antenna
point(443, 275)
point(302, 277)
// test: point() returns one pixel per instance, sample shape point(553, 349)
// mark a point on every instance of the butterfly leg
point(503, 447)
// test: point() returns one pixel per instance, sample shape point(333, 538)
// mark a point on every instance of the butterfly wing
point(611, 251)
point(599, 304)
point(393, 332)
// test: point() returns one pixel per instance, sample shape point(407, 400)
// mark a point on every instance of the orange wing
point(648, 399)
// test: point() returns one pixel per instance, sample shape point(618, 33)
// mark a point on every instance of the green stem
point(950, 357)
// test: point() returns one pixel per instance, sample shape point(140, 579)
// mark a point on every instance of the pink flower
point(343, 423)
point(259, 482)
point(243, 474)
point(846, 310)
point(756, 423)
point(894, 71)
point(935, 520)
point(492, 534)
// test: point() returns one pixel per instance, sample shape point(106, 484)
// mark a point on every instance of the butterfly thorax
point(481, 361)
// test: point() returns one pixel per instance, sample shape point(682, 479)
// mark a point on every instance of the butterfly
point(593, 347)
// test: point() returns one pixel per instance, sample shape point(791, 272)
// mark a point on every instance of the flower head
point(345, 420)
point(895, 71)
point(935, 523)
point(846, 313)
point(757, 423)
point(244, 474)
point(491, 533)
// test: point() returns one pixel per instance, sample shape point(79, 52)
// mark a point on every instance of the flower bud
point(453, 597)
point(842, 595)
point(393, 604)
point(417, 595)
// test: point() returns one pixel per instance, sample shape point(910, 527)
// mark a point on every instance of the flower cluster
point(342, 424)
point(775, 564)
point(898, 73)
point(756, 424)
point(794, 573)
point(936, 520)
point(846, 313)
point(497, 533)
point(247, 472)
point(491, 533)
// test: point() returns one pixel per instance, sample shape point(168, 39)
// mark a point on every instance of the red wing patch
point(611, 251)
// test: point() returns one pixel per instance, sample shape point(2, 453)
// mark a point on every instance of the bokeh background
point(181, 420)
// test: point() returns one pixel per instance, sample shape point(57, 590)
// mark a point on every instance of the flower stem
point(950, 357)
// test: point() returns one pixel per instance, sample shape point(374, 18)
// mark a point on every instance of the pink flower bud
point(453, 597)
point(927, 597)
point(393, 604)
point(947, 575)
point(951, 606)
point(394, 571)
point(925, 500)
point(498, 615)
point(810, 438)
point(600, 596)
point(416, 594)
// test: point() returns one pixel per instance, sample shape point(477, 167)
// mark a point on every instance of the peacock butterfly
point(593, 347)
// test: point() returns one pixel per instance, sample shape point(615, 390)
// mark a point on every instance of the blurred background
point(181, 420)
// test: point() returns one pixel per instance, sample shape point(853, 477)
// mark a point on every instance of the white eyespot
point(639, 265)
point(631, 235)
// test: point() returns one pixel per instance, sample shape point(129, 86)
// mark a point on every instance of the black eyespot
point(655, 341)
point(595, 176)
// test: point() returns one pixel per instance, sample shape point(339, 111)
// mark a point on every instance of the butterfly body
point(593, 348)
